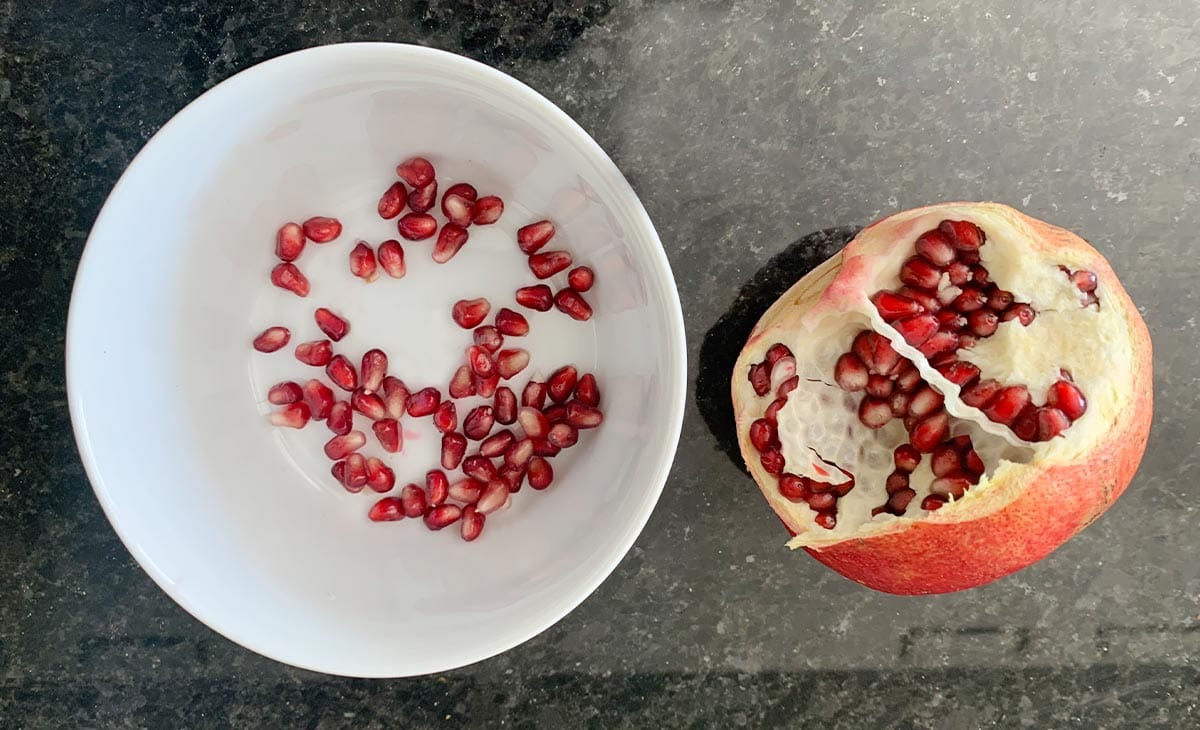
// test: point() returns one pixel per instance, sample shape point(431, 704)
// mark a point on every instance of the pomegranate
point(947, 400)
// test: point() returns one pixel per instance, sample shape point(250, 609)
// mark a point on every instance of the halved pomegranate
point(947, 400)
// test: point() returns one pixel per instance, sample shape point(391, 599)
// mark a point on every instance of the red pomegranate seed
point(539, 473)
point(395, 396)
point(777, 352)
point(545, 265)
point(932, 502)
point(452, 238)
point(488, 210)
point(973, 463)
point(1083, 280)
point(320, 229)
point(898, 502)
point(438, 486)
point(532, 237)
point(272, 339)
point(479, 467)
point(424, 402)
point(391, 258)
point(480, 361)
point(319, 398)
point(983, 322)
point(762, 434)
point(850, 373)
point(980, 394)
point(332, 325)
point(581, 278)
point(929, 432)
point(362, 262)
point(908, 377)
point(468, 313)
point(570, 302)
point(538, 298)
point(389, 435)
point(542, 447)
point(392, 201)
point(878, 386)
point(341, 371)
point(511, 323)
point(356, 472)
point(945, 460)
point(289, 242)
point(416, 171)
point(488, 337)
point(970, 300)
point(338, 470)
point(519, 453)
point(1025, 426)
point(505, 405)
point(979, 275)
point(587, 391)
point(284, 393)
point(417, 226)
point(896, 481)
point(919, 273)
point(388, 509)
point(822, 501)
point(342, 445)
point(561, 382)
point(915, 330)
point(287, 276)
point(533, 422)
point(1050, 423)
point(923, 297)
point(294, 415)
point(380, 477)
point(563, 435)
point(1023, 313)
point(582, 416)
point(442, 516)
point(464, 190)
point(556, 413)
point(479, 422)
point(959, 273)
point(950, 486)
point(511, 362)
point(965, 236)
point(935, 247)
point(467, 490)
point(959, 372)
point(940, 342)
point(924, 401)
point(828, 520)
point(373, 370)
point(894, 306)
point(1066, 397)
point(494, 496)
point(460, 383)
point(458, 210)
point(899, 403)
point(454, 446)
point(967, 341)
point(316, 353)
point(999, 300)
point(496, 444)
point(906, 458)
point(874, 413)
point(1007, 404)
point(422, 199)
point(472, 524)
point(948, 319)
point(412, 500)
point(485, 387)
point(341, 418)
point(534, 395)
point(445, 418)
point(794, 488)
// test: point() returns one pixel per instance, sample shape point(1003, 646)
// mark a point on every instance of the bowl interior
point(240, 522)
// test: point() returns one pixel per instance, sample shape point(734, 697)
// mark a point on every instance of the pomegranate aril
point(908, 377)
point(388, 509)
point(464, 190)
point(899, 501)
point(294, 415)
point(932, 502)
point(999, 300)
point(581, 278)
point(556, 413)
point(1025, 426)
point(380, 477)
point(874, 413)
point(511, 323)
point(935, 247)
point(533, 423)
point(438, 486)
point(373, 370)
point(899, 403)
point(412, 500)
point(563, 435)
point(983, 323)
point(950, 486)
point(980, 394)
point(561, 382)
point(416, 171)
point(896, 481)
point(1008, 404)
point(496, 444)
point(919, 273)
point(878, 386)
point(822, 501)
point(272, 339)
point(395, 396)
point(319, 398)
point(534, 395)
point(332, 325)
point(363, 263)
point(893, 306)
point(495, 496)
point(423, 198)
point(538, 297)
point(287, 276)
point(518, 453)
point(338, 470)
point(545, 265)
point(472, 524)
point(479, 467)
point(392, 201)
point(479, 422)
point(915, 330)
point(480, 361)
point(356, 476)
point(1066, 397)
point(1050, 423)
point(442, 516)
point(970, 300)
point(794, 488)
point(445, 419)
point(454, 446)
point(388, 433)
point(923, 297)
point(542, 447)
point(452, 238)
point(582, 416)
point(488, 337)
point(341, 371)
point(1084, 281)
point(368, 404)
point(460, 383)
point(511, 362)
point(505, 405)
point(539, 473)
point(587, 391)
point(485, 387)
point(967, 341)
point(424, 402)
point(458, 210)
point(391, 258)
point(850, 373)
point(532, 237)
point(320, 229)
point(488, 210)
point(924, 401)
point(1023, 313)
point(940, 342)
point(341, 418)
point(927, 433)
point(416, 226)
point(979, 275)
point(828, 520)
point(316, 353)
point(342, 445)
point(781, 372)
point(468, 313)
point(572, 304)
point(965, 236)
point(281, 394)
point(467, 490)
point(959, 372)
point(289, 242)
point(959, 273)
point(945, 459)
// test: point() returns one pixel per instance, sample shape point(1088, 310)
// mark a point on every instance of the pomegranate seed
point(539, 473)
point(895, 482)
point(488, 337)
point(511, 323)
point(948, 319)
point(899, 501)
point(424, 402)
point(338, 470)
point(368, 404)
point(388, 433)
point(362, 262)
point(316, 353)
point(319, 398)
point(538, 298)
point(1023, 313)
point(532, 237)
point(445, 419)
point(485, 387)
point(850, 373)
point(908, 378)
point(458, 210)
point(380, 477)
point(545, 265)
point(342, 445)
point(874, 413)
point(472, 524)
point(391, 258)
point(945, 459)
point(762, 434)
point(395, 396)
point(519, 453)
point(959, 273)
point(479, 422)
point(460, 383)
point(480, 361)
point(422, 199)
point(582, 416)
point(781, 372)
point(287, 276)
point(793, 488)
point(495, 496)
point(983, 322)
point(970, 300)
point(561, 382)
point(906, 458)
point(932, 502)
point(915, 330)
point(556, 413)
point(464, 190)
point(416, 171)
point(899, 404)
point(488, 210)
point(980, 394)
point(388, 509)
point(511, 362)
point(1050, 423)
point(894, 306)
point(828, 520)
point(777, 352)
point(924, 401)
point(392, 201)
point(921, 296)
point(1066, 397)
point(442, 516)
point(294, 415)
point(412, 500)
point(563, 435)
point(1007, 404)
point(878, 386)
point(454, 446)
point(505, 405)
point(479, 467)
point(570, 302)
point(581, 278)
point(533, 422)
point(284, 393)
point(948, 294)
point(919, 273)
point(452, 238)
point(965, 236)
point(438, 486)
point(468, 313)
point(332, 325)
point(373, 370)
point(417, 226)
point(320, 229)
point(341, 418)
point(496, 444)
point(959, 372)
point(1083, 280)
point(289, 242)
point(587, 391)
point(822, 501)
point(940, 342)
point(935, 247)
point(534, 395)
point(341, 371)
point(356, 472)
point(967, 341)
point(979, 275)
point(929, 432)
point(1025, 426)
point(272, 339)
point(950, 486)
point(466, 491)
point(999, 300)
point(542, 447)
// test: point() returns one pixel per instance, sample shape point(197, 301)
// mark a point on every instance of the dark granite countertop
point(750, 130)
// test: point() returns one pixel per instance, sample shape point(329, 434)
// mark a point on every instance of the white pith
point(819, 425)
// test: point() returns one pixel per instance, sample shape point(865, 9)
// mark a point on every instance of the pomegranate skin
point(1028, 510)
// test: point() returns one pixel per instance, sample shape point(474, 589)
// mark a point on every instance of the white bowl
point(241, 523)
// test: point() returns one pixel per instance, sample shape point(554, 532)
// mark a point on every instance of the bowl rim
point(675, 373)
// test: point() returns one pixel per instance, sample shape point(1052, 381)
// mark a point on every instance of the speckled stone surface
point(759, 136)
